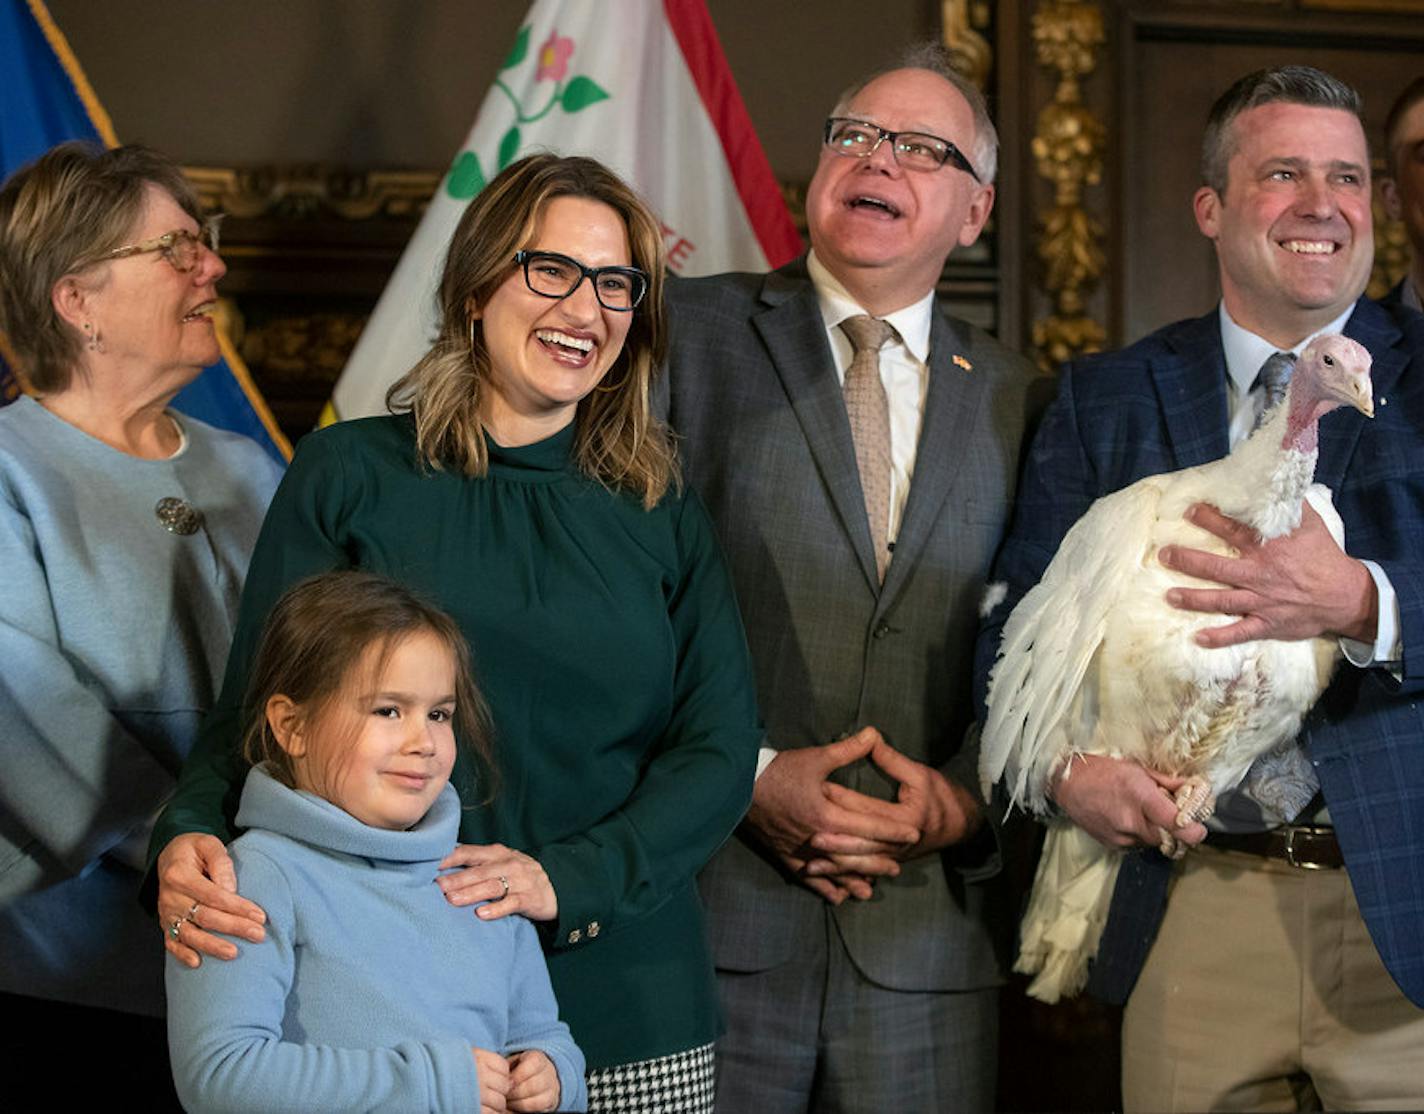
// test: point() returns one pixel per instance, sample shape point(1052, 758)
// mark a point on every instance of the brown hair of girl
point(317, 634)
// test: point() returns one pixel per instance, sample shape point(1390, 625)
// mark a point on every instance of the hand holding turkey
point(1299, 585)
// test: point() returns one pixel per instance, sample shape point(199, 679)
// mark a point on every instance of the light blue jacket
point(114, 632)
point(370, 988)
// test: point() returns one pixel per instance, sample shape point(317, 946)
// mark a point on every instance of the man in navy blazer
point(1256, 978)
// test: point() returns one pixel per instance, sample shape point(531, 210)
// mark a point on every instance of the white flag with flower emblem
point(640, 85)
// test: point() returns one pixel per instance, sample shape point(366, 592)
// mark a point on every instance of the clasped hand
point(526, 1081)
point(838, 841)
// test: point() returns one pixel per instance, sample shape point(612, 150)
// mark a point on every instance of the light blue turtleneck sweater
point(370, 988)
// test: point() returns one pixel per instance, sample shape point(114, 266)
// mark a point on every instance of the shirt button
point(593, 927)
point(575, 936)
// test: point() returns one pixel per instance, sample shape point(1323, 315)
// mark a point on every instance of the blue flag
point(45, 99)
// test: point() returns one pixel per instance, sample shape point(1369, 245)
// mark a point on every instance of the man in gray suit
point(848, 919)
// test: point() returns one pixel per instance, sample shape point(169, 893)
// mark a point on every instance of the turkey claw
point(1194, 800)
point(1170, 846)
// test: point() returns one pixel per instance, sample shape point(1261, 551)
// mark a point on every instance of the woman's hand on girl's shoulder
point(197, 897)
point(509, 881)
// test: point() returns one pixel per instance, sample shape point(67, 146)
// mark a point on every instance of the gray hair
point(931, 56)
point(60, 215)
point(1279, 85)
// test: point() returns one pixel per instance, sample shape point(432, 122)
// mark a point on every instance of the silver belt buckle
point(1291, 830)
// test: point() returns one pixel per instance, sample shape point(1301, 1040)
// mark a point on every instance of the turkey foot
point(1194, 801)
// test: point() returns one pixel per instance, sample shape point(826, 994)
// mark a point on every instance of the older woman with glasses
point(125, 531)
point(524, 485)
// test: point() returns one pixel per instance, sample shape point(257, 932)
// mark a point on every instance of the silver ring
point(193, 912)
point(503, 881)
point(174, 927)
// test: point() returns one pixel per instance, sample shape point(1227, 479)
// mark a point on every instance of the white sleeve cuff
point(1386, 648)
point(764, 757)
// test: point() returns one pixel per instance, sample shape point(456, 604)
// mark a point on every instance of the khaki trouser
point(1263, 991)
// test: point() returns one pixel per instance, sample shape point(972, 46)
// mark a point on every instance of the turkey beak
point(1360, 397)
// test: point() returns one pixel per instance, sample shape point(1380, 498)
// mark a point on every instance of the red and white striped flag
point(641, 85)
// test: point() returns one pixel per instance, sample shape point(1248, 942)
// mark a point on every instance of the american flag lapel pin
point(961, 362)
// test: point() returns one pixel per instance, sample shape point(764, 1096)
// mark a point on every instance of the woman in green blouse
point(524, 485)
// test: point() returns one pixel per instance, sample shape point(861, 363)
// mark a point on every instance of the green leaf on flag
point(508, 147)
point(580, 93)
point(465, 178)
point(518, 50)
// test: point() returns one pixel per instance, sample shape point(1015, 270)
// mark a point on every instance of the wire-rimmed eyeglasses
point(180, 247)
point(552, 275)
point(859, 139)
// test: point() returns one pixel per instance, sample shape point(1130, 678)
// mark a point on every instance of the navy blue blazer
point(1161, 405)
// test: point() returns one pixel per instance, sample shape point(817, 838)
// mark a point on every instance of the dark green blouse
point(608, 643)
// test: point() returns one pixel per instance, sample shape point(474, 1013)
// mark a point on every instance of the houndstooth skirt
point(682, 1083)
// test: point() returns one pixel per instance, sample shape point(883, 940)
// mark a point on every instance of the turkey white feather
point(1093, 660)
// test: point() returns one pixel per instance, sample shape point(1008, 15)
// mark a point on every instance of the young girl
point(370, 991)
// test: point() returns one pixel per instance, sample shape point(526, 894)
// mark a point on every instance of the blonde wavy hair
point(618, 441)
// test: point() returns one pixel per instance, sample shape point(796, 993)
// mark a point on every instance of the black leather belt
point(1308, 846)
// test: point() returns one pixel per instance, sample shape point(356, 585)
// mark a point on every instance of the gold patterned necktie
point(868, 408)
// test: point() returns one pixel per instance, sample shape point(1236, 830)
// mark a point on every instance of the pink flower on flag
point(554, 57)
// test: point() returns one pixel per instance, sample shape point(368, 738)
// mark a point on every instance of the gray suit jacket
point(753, 393)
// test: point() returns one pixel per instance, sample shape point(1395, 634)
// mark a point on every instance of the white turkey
point(1093, 660)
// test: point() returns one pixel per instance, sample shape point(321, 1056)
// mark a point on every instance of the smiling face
point(546, 354)
point(383, 747)
point(149, 315)
point(1293, 236)
point(884, 231)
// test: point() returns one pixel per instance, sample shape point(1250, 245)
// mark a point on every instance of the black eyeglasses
point(552, 275)
point(859, 139)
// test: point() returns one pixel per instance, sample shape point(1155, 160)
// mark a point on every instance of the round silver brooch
point(178, 516)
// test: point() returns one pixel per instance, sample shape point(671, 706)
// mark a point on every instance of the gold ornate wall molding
point(1067, 149)
point(309, 250)
point(308, 192)
point(297, 349)
point(969, 51)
